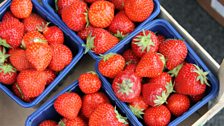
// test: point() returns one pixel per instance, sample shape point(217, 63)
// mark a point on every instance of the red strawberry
point(33, 37)
point(196, 98)
point(16, 89)
point(8, 16)
point(89, 83)
point(130, 67)
point(21, 8)
point(62, 56)
point(92, 101)
point(111, 64)
point(106, 115)
point(83, 34)
point(157, 116)
point(50, 76)
point(138, 106)
point(74, 15)
point(130, 57)
point(31, 82)
point(161, 38)
point(90, 1)
point(175, 52)
point(8, 74)
point(127, 86)
point(138, 10)
point(3, 55)
point(74, 122)
point(64, 4)
point(145, 41)
point(101, 13)
point(119, 4)
point(39, 55)
point(162, 79)
point(48, 123)
point(100, 41)
point(191, 80)
point(151, 65)
point(54, 35)
point(68, 105)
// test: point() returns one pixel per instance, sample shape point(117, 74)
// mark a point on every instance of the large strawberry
point(101, 13)
point(130, 57)
point(3, 55)
point(111, 64)
point(61, 57)
point(119, 4)
point(175, 52)
point(39, 55)
point(60, 4)
point(68, 105)
point(33, 37)
point(21, 8)
point(138, 106)
point(54, 35)
point(106, 115)
point(162, 79)
point(191, 80)
point(100, 41)
point(8, 74)
point(48, 123)
point(127, 86)
point(16, 89)
point(74, 122)
point(157, 116)
point(74, 15)
point(145, 41)
point(83, 34)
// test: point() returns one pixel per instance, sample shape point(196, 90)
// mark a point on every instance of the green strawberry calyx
point(125, 87)
point(3, 56)
point(20, 91)
point(4, 43)
point(169, 88)
point(144, 41)
point(120, 117)
point(202, 76)
point(7, 68)
point(89, 43)
point(106, 56)
point(137, 111)
point(61, 123)
point(87, 17)
point(162, 58)
point(120, 35)
point(174, 72)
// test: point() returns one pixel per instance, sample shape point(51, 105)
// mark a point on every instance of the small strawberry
point(127, 86)
point(16, 89)
point(145, 41)
point(130, 67)
point(60, 4)
point(8, 16)
point(3, 55)
point(50, 76)
point(33, 37)
point(62, 56)
point(157, 116)
point(8, 74)
point(74, 122)
point(162, 79)
point(130, 57)
point(89, 83)
point(68, 105)
point(138, 106)
point(21, 8)
point(83, 34)
point(191, 80)
point(111, 64)
point(119, 4)
point(138, 10)
point(161, 38)
point(91, 102)
point(196, 98)
point(101, 13)
point(48, 123)
point(175, 52)
point(54, 35)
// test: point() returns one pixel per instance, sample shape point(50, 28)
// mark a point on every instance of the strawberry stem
point(202, 76)
point(137, 111)
point(125, 87)
point(120, 117)
point(3, 56)
point(4, 43)
point(174, 72)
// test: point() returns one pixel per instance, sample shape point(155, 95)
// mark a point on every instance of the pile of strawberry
point(93, 108)
point(102, 23)
point(145, 75)
point(31, 52)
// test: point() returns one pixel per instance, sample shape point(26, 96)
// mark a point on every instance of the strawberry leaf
point(61, 123)
point(120, 117)
point(202, 76)
point(174, 72)
point(56, 5)
point(89, 43)
point(4, 43)
point(3, 56)
point(137, 112)
point(125, 87)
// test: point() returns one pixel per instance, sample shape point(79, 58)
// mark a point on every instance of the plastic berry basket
point(75, 47)
point(50, 7)
point(164, 28)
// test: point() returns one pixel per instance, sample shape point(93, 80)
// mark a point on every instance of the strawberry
point(32, 22)
point(130, 67)
point(89, 83)
point(50, 76)
point(33, 37)
point(121, 25)
point(119, 4)
point(83, 34)
point(157, 116)
point(90, 1)
point(8, 16)
point(127, 86)
point(3, 55)
point(101, 13)
point(162, 79)
point(74, 122)
point(150, 65)
point(191, 80)
point(39, 55)
point(74, 15)
point(48, 123)
point(8, 74)
point(31, 82)
point(130, 57)
point(138, 106)
point(196, 98)
point(106, 115)
point(138, 10)
point(100, 41)
point(21, 8)
point(175, 52)
point(145, 41)
point(60, 4)
point(161, 38)
point(62, 56)
point(68, 105)
point(111, 64)
point(54, 35)
point(16, 89)
point(92, 101)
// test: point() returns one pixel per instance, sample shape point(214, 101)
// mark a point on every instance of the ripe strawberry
point(100, 41)
point(68, 105)
point(111, 64)
point(33, 37)
point(161, 38)
point(119, 4)
point(138, 10)
point(3, 55)
point(62, 56)
point(89, 82)
point(8, 74)
point(91, 102)
point(191, 80)
point(151, 65)
point(39, 55)
point(74, 122)
point(48, 123)
point(8, 16)
point(101, 13)
point(50, 76)
point(130, 67)
point(21, 8)
point(162, 79)
point(74, 15)
point(16, 89)
point(106, 115)
point(145, 41)
point(83, 34)
point(178, 104)
point(63, 4)
point(121, 24)
point(130, 57)
point(138, 106)
point(31, 82)
point(127, 86)
point(196, 98)
point(54, 35)
point(175, 52)
point(157, 116)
